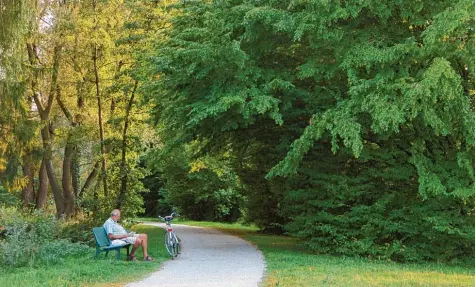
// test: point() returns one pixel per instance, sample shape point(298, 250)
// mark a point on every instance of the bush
point(53, 252)
point(79, 228)
point(31, 239)
point(375, 212)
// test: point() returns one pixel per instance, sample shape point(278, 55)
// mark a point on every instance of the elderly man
point(119, 236)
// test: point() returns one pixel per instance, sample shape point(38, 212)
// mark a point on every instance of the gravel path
point(209, 258)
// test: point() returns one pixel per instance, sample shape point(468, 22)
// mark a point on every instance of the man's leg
point(135, 246)
point(143, 238)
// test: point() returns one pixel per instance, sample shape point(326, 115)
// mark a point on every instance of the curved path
point(209, 258)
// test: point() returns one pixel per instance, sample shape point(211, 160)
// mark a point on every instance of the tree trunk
point(124, 173)
point(98, 96)
point(70, 156)
point(66, 181)
point(116, 78)
point(42, 194)
point(50, 171)
point(28, 193)
point(101, 130)
point(75, 170)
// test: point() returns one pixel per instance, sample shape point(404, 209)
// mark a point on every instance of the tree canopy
point(332, 114)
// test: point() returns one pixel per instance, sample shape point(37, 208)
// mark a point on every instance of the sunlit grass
point(86, 271)
point(290, 264)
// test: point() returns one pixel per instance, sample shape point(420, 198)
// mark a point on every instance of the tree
point(15, 117)
point(365, 88)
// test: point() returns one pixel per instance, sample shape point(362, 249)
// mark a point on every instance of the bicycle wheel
point(169, 246)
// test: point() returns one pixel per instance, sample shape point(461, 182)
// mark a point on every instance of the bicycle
point(172, 242)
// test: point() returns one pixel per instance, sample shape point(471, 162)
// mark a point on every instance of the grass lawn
point(85, 271)
point(288, 264)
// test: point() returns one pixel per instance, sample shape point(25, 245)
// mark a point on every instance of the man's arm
point(118, 236)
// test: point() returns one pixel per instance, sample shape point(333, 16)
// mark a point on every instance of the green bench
point(103, 243)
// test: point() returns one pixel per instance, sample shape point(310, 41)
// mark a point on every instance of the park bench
point(103, 243)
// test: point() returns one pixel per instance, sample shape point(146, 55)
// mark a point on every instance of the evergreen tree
point(375, 101)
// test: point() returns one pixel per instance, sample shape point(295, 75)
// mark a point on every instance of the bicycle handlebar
point(171, 216)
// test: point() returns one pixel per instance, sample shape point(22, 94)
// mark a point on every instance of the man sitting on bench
point(119, 236)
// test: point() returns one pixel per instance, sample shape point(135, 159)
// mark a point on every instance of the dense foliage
point(15, 17)
point(375, 101)
point(203, 188)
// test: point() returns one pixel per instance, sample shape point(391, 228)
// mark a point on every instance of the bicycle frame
point(172, 243)
point(171, 231)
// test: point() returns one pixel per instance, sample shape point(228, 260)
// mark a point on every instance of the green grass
point(289, 264)
point(85, 271)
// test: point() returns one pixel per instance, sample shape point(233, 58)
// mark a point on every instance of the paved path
point(209, 258)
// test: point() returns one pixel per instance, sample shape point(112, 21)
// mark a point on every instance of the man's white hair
point(115, 212)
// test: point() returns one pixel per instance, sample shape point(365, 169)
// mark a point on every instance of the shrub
point(33, 238)
point(79, 228)
point(53, 252)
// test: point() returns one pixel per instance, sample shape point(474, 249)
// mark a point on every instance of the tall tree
point(358, 86)
point(13, 104)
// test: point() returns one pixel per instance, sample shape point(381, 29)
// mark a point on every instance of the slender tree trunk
point(101, 129)
point(116, 77)
point(124, 173)
point(28, 193)
point(75, 170)
point(42, 194)
point(98, 96)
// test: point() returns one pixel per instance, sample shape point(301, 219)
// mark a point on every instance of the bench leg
point(107, 252)
point(127, 248)
point(118, 254)
point(97, 253)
